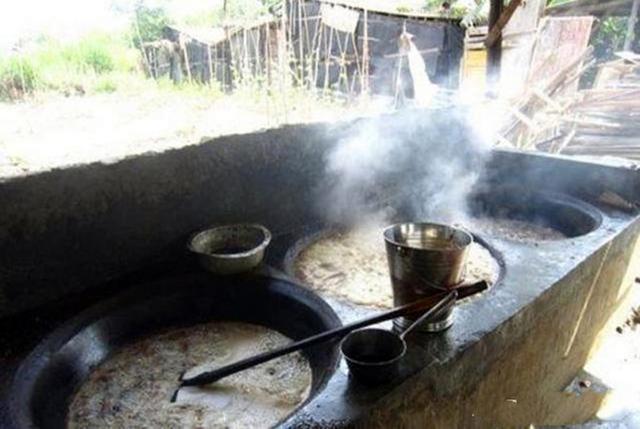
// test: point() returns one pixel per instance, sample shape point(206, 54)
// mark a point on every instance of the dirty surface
point(616, 364)
point(352, 265)
point(516, 230)
point(99, 128)
point(132, 388)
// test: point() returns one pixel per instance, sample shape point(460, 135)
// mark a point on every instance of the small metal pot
point(230, 249)
point(373, 355)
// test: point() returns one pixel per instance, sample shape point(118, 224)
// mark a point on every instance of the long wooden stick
point(631, 25)
point(210, 64)
point(433, 304)
point(364, 86)
point(183, 45)
point(503, 20)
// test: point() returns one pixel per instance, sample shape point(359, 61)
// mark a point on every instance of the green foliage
point(238, 11)
point(609, 37)
point(558, 2)
point(90, 54)
point(433, 4)
point(209, 18)
point(245, 10)
point(93, 54)
point(87, 63)
point(106, 85)
point(18, 77)
point(274, 6)
point(475, 12)
point(148, 22)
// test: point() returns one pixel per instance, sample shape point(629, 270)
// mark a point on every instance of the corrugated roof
point(592, 7)
point(215, 35)
point(391, 7)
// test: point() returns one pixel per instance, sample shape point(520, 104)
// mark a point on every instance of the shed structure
point(328, 45)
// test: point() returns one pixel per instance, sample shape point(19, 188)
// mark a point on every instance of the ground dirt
point(57, 131)
point(616, 364)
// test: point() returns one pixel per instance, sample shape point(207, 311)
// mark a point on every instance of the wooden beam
point(496, 29)
point(494, 53)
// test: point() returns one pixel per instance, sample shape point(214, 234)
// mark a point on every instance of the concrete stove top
point(91, 231)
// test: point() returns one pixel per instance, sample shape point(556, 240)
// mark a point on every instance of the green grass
point(56, 66)
point(98, 63)
point(551, 3)
point(18, 76)
point(106, 85)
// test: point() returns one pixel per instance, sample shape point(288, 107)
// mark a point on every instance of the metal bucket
point(425, 259)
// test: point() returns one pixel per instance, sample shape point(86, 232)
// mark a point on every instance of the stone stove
point(73, 237)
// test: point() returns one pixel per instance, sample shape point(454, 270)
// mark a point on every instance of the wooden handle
point(241, 365)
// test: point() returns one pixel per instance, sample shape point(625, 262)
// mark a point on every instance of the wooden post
point(631, 25)
point(245, 60)
point(183, 45)
point(315, 48)
point(210, 64)
point(328, 50)
point(502, 21)
point(494, 53)
point(141, 42)
point(215, 62)
point(301, 62)
point(365, 55)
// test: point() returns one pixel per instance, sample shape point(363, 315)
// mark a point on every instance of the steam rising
point(435, 156)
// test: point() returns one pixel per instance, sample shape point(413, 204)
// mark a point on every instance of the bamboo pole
point(343, 62)
point(210, 64)
point(365, 54)
point(300, 41)
point(358, 65)
point(245, 56)
point(315, 49)
point(144, 54)
point(306, 30)
point(186, 56)
point(256, 49)
point(631, 25)
point(283, 52)
point(327, 59)
point(267, 55)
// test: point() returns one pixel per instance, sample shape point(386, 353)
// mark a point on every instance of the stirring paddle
point(219, 373)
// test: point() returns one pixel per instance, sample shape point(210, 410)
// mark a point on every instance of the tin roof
point(394, 8)
point(592, 7)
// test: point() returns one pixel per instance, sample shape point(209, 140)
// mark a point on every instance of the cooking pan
point(46, 380)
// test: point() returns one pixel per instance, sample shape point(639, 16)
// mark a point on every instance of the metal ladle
point(434, 303)
point(373, 355)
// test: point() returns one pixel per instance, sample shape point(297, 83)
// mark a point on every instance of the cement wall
point(526, 385)
point(70, 230)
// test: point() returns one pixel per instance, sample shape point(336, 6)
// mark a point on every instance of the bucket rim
point(457, 228)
